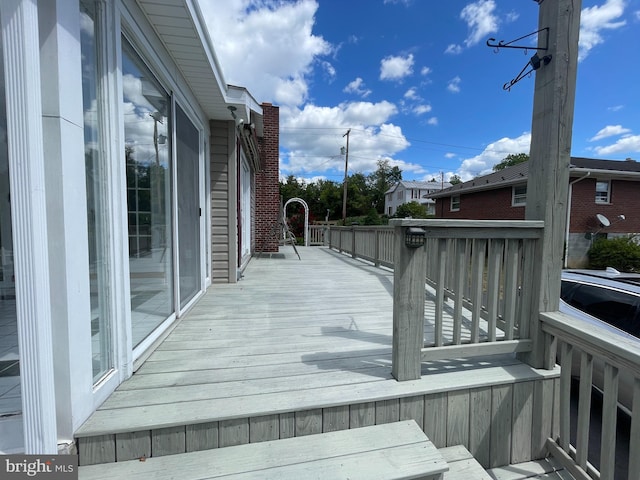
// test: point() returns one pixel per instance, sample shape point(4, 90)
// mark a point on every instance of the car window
point(565, 289)
point(612, 306)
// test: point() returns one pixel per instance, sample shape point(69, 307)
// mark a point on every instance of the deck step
point(397, 450)
point(462, 465)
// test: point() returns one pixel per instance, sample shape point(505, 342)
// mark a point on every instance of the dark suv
point(611, 300)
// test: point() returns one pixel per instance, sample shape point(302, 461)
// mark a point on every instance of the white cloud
point(494, 153)
point(330, 69)
point(454, 85)
point(615, 108)
point(433, 121)
point(453, 49)
point(396, 67)
point(480, 19)
point(411, 94)
point(609, 131)
point(594, 20)
point(422, 109)
point(269, 48)
point(450, 155)
point(425, 71)
point(625, 145)
point(357, 87)
point(312, 137)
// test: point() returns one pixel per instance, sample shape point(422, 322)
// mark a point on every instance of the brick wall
point(267, 209)
point(484, 205)
point(496, 205)
point(624, 200)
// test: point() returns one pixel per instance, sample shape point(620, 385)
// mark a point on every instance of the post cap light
point(415, 237)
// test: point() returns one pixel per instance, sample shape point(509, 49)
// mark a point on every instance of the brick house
point(412, 191)
point(605, 187)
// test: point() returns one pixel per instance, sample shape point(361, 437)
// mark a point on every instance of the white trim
point(451, 208)
point(515, 196)
point(608, 199)
point(28, 206)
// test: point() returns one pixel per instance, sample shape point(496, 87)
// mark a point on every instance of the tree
point(411, 209)
point(455, 180)
point(511, 160)
point(380, 181)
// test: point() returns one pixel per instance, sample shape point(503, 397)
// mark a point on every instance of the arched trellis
point(306, 216)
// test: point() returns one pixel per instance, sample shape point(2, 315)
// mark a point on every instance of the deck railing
point(477, 277)
point(593, 354)
point(318, 235)
point(372, 243)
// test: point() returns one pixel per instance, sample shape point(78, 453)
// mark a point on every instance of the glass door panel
point(188, 191)
point(148, 164)
point(97, 221)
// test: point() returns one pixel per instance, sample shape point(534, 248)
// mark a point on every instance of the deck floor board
point(291, 335)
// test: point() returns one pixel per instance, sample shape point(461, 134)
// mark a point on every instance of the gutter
point(566, 235)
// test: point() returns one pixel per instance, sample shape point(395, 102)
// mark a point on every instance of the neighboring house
point(132, 177)
point(605, 187)
point(409, 191)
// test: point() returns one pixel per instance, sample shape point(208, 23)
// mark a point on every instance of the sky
point(414, 82)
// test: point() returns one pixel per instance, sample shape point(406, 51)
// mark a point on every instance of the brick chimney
point(267, 183)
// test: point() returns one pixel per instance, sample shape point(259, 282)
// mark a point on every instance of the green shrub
point(621, 253)
point(411, 209)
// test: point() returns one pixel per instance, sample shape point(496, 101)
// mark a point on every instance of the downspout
point(566, 236)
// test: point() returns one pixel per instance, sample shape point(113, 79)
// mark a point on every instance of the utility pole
point(346, 169)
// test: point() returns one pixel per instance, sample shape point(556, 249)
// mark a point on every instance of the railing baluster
point(609, 420)
point(565, 396)
point(511, 287)
point(584, 409)
point(478, 253)
point(440, 271)
point(634, 442)
point(496, 248)
point(460, 278)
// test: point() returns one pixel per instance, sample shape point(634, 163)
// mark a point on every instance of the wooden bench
point(398, 450)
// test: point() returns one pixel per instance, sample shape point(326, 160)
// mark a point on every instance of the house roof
point(183, 31)
point(409, 184)
point(518, 174)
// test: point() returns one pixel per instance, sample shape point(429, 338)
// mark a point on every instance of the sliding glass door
point(188, 193)
point(148, 164)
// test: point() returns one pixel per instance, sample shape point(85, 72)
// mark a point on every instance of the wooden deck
point(300, 347)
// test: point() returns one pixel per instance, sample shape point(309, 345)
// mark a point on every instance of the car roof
point(609, 277)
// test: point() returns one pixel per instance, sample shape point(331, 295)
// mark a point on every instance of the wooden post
point(376, 238)
point(409, 274)
point(551, 128)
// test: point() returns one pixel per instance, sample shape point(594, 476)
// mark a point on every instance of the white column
point(28, 207)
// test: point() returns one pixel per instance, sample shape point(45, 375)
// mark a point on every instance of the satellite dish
point(604, 221)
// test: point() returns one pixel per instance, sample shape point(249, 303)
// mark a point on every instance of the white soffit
point(180, 26)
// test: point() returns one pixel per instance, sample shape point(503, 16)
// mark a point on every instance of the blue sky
point(415, 82)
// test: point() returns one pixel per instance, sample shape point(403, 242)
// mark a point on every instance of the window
point(97, 194)
point(399, 196)
point(602, 192)
point(455, 203)
point(612, 306)
point(519, 196)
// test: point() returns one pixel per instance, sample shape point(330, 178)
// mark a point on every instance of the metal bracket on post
point(534, 62)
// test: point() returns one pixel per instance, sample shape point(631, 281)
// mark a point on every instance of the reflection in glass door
point(148, 160)
point(188, 192)
point(98, 227)
point(10, 396)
